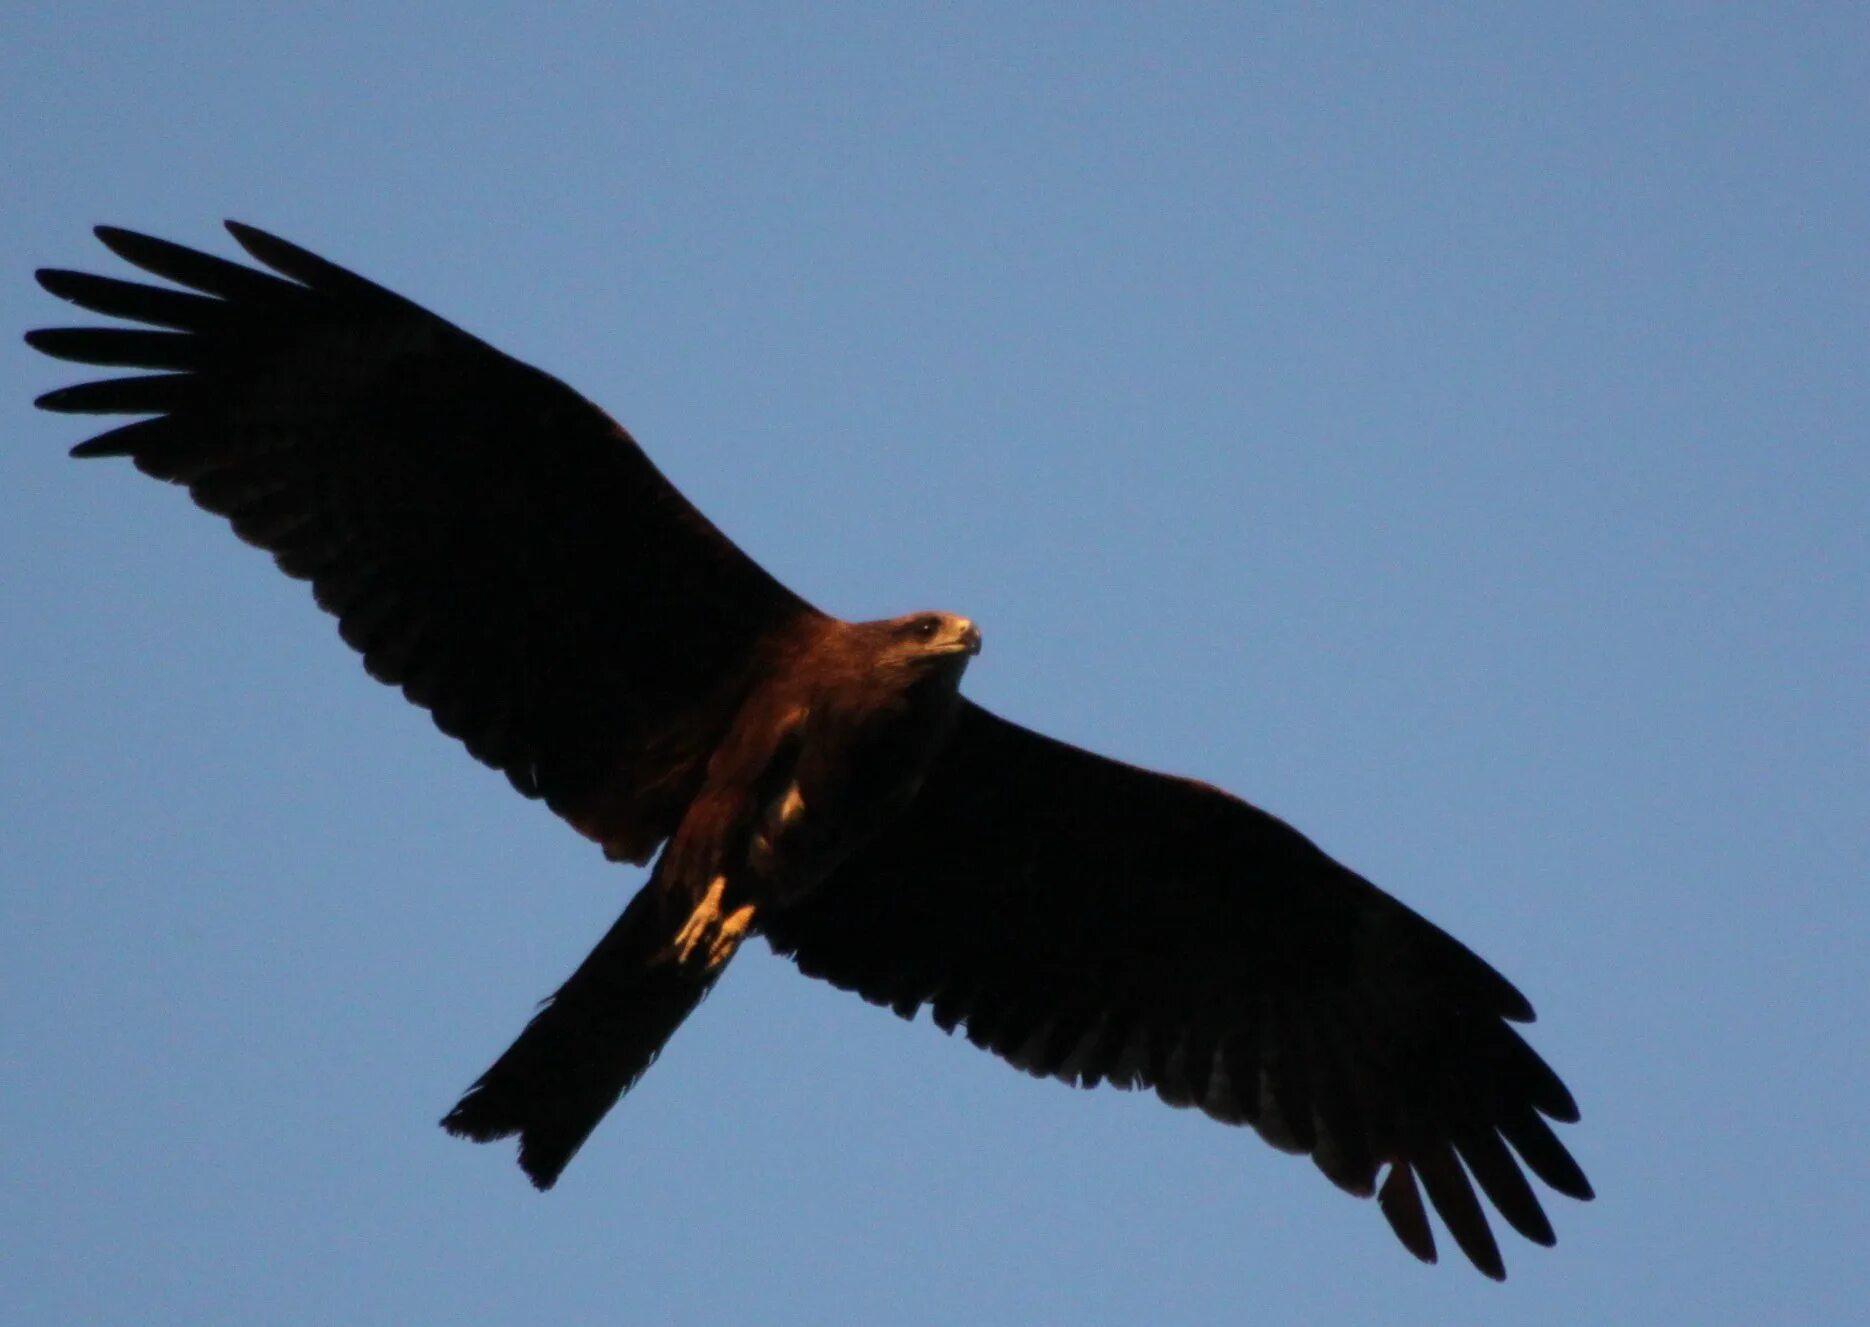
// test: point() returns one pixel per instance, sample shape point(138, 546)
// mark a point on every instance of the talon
point(733, 931)
point(696, 927)
point(720, 932)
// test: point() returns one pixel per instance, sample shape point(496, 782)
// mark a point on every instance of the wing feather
point(490, 541)
point(1097, 922)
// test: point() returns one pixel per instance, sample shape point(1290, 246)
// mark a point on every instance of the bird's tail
point(592, 1040)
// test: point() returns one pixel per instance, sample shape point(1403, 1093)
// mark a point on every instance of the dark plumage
point(497, 547)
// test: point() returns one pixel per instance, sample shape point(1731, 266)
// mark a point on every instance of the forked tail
point(592, 1040)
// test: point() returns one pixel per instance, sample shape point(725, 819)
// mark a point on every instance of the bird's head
point(923, 639)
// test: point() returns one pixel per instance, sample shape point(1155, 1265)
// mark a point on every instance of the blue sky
point(1447, 429)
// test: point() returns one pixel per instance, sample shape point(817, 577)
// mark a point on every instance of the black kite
point(496, 546)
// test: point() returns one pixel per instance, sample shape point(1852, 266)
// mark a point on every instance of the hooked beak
point(970, 639)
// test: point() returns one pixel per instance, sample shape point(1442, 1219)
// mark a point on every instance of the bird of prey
point(501, 550)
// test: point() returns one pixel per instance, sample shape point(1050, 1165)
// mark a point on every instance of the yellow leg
point(733, 930)
point(721, 933)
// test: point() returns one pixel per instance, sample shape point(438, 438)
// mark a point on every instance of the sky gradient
point(1447, 431)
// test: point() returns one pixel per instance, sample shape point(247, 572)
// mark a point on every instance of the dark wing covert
point(1096, 922)
point(488, 540)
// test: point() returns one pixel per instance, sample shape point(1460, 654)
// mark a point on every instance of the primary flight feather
point(500, 549)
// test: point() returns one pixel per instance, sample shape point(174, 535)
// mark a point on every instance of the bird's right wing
point(1097, 922)
point(488, 540)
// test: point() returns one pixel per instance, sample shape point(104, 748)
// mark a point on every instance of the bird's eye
point(927, 628)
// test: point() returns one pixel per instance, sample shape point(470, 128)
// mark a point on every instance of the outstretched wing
point(1096, 922)
point(488, 540)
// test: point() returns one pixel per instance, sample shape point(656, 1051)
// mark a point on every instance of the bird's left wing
point(1096, 922)
point(490, 541)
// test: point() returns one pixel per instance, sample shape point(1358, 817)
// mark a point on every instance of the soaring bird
point(497, 547)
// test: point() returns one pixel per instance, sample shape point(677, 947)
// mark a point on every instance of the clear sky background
point(1445, 426)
